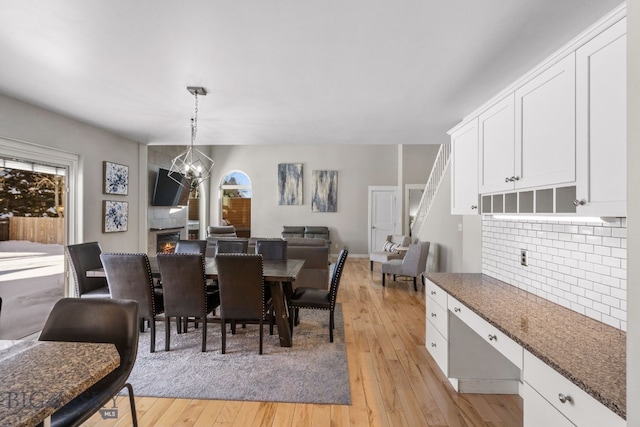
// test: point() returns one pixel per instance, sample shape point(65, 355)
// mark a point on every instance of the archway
point(235, 203)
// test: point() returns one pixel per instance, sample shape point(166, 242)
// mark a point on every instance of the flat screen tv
point(168, 192)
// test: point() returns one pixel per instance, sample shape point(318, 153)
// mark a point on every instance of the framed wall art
point(324, 191)
point(115, 216)
point(290, 184)
point(116, 178)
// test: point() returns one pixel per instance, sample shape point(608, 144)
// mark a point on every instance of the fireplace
point(166, 242)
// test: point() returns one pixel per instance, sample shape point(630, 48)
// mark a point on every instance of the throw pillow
point(390, 247)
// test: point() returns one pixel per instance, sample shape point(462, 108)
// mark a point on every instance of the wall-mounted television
point(170, 190)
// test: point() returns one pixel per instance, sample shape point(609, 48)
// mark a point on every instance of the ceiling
point(278, 71)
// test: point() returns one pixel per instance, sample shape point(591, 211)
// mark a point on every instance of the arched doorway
point(235, 203)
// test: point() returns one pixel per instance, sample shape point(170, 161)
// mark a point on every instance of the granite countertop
point(589, 353)
point(38, 377)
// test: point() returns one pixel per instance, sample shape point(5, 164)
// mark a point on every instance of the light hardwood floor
point(394, 381)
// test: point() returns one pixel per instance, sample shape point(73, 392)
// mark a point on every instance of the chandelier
point(193, 163)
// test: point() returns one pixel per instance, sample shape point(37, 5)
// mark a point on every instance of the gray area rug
point(313, 370)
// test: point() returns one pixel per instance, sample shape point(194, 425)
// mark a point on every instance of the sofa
point(389, 249)
point(306, 231)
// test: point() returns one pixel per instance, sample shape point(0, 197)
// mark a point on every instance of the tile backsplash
point(582, 266)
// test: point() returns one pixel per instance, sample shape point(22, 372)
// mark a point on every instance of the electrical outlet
point(523, 257)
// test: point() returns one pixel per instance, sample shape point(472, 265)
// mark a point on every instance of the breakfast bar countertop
point(589, 353)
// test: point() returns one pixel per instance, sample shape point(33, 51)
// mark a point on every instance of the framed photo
point(324, 191)
point(116, 178)
point(115, 216)
point(290, 184)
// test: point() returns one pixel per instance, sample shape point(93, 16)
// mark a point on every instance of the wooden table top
point(39, 377)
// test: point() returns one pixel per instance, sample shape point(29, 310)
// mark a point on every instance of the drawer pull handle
point(433, 345)
point(493, 338)
point(564, 398)
point(433, 292)
point(456, 309)
point(433, 315)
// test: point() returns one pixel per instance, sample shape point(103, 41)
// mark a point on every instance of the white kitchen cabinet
point(496, 147)
point(545, 136)
point(562, 396)
point(601, 126)
point(464, 169)
point(540, 412)
point(437, 325)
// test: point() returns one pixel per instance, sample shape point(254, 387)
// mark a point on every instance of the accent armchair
point(413, 264)
point(389, 249)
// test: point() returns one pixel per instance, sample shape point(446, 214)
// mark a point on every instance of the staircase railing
point(435, 178)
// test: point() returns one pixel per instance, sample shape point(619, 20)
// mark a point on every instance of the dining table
point(39, 377)
point(278, 274)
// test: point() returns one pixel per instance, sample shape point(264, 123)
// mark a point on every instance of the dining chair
point(191, 247)
point(84, 257)
point(272, 249)
point(318, 299)
point(185, 291)
point(413, 264)
point(241, 291)
point(98, 320)
point(232, 246)
point(129, 277)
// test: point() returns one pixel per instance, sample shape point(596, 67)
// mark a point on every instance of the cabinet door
point(545, 150)
point(464, 170)
point(538, 412)
point(601, 74)
point(496, 147)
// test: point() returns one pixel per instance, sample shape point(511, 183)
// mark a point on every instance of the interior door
point(383, 215)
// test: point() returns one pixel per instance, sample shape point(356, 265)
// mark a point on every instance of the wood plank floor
point(394, 381)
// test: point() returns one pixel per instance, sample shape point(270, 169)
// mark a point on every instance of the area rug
point(313, 370)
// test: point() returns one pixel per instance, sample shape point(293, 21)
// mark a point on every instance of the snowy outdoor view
point(31, 245)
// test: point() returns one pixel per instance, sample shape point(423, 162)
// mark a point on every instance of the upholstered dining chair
point(84, 257)
point(272, 249)
point(185, 291)
point(413, 264)
point(98, 320)
point(129, 277)
point(319, 299)
point(241, 291)
point(191, 246)
point(232, 246)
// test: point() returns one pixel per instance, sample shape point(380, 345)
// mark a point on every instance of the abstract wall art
point(290, 184)
point(115, 216)
point(116, 178)
point(324, 191)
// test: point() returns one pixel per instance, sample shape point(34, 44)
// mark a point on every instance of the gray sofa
point(307, 231)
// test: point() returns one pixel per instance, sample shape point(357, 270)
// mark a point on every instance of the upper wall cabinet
point(464, 173)
point(496, 147)
point(602, 124)
point(545, 127)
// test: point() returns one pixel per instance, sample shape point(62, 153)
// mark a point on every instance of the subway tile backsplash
point(582, 266)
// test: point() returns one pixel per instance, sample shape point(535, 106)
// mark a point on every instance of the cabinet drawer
point(538, 412)
point(438, 348)
point(505, 345)
point(579, 407)
point(437, 315)
point(436, 292)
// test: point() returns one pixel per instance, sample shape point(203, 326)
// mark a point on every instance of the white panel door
point(383, 215)
point(496, 147)
point(545, 149)
point(601, 74)
point(464, 172)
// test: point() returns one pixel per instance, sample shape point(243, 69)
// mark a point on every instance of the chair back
point(129, 277)
point(335, 278)
point(241, 286)
point(232, 246)
point(191, 247)
point(98, 320)
point(221, 231)
point(272, 250)
point(183, 284)
point(415, 261)
point(83, 257)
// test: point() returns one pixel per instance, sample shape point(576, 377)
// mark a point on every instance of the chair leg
point(132, 403)
point(141, 324)
point(166, 332)
point(291, 319)
point(415, 284)
point(394, 277)
point(153, 336)
point(223, 324)
point(371, 265)
point(261, 335)
point(233, 327)
point(383, 276)
point(330, 325)
point(204, 335)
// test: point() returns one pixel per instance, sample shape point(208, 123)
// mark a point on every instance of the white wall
point(633, 212)
point(25, 122)
point(358, 166)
